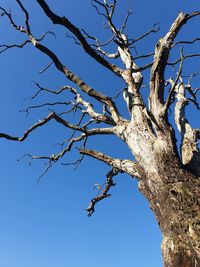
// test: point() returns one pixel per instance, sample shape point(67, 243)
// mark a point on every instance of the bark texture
point(168, 177)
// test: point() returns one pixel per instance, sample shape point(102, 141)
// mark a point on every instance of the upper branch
point(154, 29)
point(26, 15)
point(26, 133)
point(79, 82)
point(72, 28)
point(162, 50)
point(59, 65)
point(108, 12)
point(79, 103)
point(5, 47)
point(189, 147)
point(173, 87)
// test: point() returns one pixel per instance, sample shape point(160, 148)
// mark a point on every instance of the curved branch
point(79, 101)
point(173, 87)
point(162, 50)
point(103, 191)
point(5, 47)
point(80, 83)
point(26, 16)
point(58, 64)
point(187, 42)
point(189, 147)
point(26, 133)
point(72, 28)
point(185, 57)
point(121, 165)
point(94, 131)
point(154, 29)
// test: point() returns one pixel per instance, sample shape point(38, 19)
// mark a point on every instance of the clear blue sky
point(46, 225)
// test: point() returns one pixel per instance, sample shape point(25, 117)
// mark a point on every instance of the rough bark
point(173, 194)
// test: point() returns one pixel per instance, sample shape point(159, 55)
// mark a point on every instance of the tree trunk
point(173, 194)
point(172, 191)
point(178, 214)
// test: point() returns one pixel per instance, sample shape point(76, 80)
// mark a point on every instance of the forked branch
point(103, 191)
point(162, 50)
point(73, 29)
point(60, 120)
point(189, 147)
point(59, 65)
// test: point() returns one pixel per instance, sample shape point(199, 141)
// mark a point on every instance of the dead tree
point(167, 177)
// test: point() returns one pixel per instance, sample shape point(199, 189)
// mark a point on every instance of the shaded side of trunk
point(179, 220)
point(173, 194)
point(176, 206)
point(176, 253)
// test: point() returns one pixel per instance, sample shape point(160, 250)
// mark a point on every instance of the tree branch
point(126, 165)
point(79, 101)
point(72, 28)
point(60, 120)
point(186, 42)
point(189, 147)
point(5, 47)
point(185, 57)
point(58, 64)
point(173, 87)
point(154, 29)
point(103, 191)
point(79, 82)
point(162, 50)
point(98, 46)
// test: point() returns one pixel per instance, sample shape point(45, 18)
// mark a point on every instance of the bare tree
point(167, 177)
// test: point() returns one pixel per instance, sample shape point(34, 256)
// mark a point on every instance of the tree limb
point(72, 28)
point(5, 47)
point(126, 165)
point(173, 87)
point(103, 191)
point(187, 42)
point(154, 29)
point(189, 147)
point(60, 120)
point(185, 57)
point(80, 83)
point(162, 50)
point(58, 64)
point(79, 101)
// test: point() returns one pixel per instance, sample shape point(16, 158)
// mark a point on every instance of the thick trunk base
point(175, 202)
point(178, 254)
